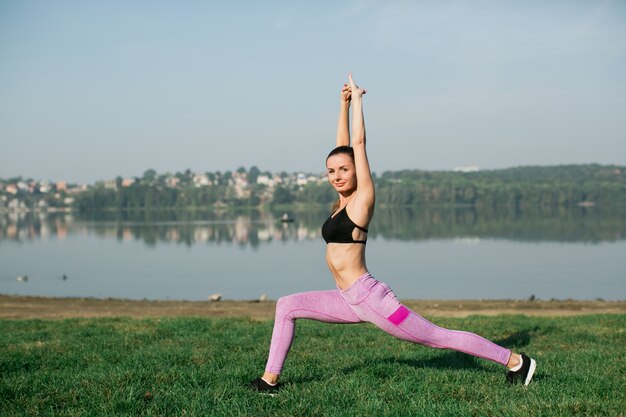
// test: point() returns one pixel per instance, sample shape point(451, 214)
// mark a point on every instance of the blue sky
point(94, 89)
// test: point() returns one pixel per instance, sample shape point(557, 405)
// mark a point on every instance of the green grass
point(201, 367)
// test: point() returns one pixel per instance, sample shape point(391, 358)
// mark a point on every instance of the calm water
point(441, 254)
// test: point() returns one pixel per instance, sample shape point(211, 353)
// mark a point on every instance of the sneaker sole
point(531, 372)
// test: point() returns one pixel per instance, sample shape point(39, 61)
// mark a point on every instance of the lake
point(423, 254)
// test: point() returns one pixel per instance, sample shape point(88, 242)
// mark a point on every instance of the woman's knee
point(281, 305)
point(286, 305)
point(423, 331)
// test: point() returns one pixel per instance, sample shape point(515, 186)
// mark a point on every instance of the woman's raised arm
point(343, 131)
point(365, 184)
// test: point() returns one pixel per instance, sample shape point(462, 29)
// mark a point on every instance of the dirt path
point(20, 307)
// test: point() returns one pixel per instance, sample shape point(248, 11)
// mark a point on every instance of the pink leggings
point(369, 300)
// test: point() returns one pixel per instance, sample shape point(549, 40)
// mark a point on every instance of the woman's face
point(341, 172)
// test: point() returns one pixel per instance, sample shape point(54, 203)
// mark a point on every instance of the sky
point(91, 90)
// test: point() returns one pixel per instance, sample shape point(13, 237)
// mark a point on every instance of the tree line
point(513, 188)
point(520, 188)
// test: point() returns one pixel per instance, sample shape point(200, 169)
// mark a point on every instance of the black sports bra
point(339, 228)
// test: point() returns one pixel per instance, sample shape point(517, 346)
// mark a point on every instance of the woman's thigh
point(327, 306)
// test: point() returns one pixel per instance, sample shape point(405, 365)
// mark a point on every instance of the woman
point(359, 297)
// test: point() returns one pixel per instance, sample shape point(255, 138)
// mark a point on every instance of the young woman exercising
point(359, 297)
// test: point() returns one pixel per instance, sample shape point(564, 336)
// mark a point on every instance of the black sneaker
point(525, 373)
point(260, 385)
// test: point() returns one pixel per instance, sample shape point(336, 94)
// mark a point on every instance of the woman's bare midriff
point(346, 262)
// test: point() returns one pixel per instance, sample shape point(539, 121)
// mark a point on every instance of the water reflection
point(252, 228)
point(244, 229)
point(564, 225)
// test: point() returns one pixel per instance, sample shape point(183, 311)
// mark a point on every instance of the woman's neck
point(345, 197)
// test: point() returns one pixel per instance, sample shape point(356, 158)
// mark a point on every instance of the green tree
point(149, 177)
point(253, 174)
point(282, 195)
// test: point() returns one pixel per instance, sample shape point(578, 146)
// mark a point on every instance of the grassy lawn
point(201, 367)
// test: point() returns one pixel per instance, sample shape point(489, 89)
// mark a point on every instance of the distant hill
point(520, 187)
point(595, 172)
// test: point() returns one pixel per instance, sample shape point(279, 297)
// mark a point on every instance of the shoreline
point(55, 308)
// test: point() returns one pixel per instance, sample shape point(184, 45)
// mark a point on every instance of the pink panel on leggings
point(399, 315)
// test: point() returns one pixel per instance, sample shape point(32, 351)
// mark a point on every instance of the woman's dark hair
point(342, 149)
point(347, 150)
